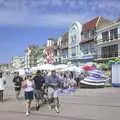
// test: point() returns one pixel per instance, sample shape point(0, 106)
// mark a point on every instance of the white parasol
point(60, 66)
point(46, 67)
point(74, 69)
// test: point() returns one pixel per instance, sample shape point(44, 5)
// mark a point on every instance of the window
point(92, 33)
point(105, 36)
point(86, 34)
point(74, 51)
point(55, 52)
point(110, 51)
point(85, 51)
point(73, 39)
point(92, 50)
point(114, 33)
point(111, 34)
point(65, 53)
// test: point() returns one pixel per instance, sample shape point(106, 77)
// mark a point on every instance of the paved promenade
point(85, 104)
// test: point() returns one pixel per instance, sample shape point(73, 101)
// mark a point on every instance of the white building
point(61, 49)
point(17, 62)
point(50, 42)
point(73, 42)
point(108, 41)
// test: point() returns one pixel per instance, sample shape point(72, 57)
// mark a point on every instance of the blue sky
point(24, 22)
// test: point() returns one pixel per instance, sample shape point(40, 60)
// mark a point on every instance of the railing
point(85, 39)
point(110, 39)
point(64, 46)
point(108, 55)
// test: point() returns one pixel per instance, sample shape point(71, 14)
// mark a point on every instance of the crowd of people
point(44, 86)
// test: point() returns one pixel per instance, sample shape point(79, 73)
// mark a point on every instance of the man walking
point(17, 80)
point(39, 82)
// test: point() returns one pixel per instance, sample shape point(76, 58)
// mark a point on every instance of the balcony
point(64, 46)
point(55, 47)
point(108, 40)
point(87, 39)
point(108, 53)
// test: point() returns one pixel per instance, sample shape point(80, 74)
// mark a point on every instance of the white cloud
point(54, 13)
point(52, 20)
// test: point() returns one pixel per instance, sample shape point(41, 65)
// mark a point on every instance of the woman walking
point(28, 86)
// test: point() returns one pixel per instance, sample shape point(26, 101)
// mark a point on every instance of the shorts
point(29, 95)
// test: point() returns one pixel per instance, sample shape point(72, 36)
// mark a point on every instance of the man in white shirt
point(2, 86)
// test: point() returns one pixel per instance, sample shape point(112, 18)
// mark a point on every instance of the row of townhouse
point(79, 44)
point(82, 38)
point(108, 41)
point(97, 39)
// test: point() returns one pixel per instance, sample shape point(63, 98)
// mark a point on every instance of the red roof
point(90, 24)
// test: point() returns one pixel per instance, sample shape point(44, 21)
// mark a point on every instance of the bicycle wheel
point(56, 105)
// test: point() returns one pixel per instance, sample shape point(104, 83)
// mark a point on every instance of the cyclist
point(53, 82)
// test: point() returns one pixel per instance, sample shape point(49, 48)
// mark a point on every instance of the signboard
point(116, 75)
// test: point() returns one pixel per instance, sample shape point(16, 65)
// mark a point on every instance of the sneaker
point(27, 113)
point(49, 107)
point(37, 107)
point(57, 110)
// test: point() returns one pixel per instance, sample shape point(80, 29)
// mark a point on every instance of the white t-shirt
point(29, 86)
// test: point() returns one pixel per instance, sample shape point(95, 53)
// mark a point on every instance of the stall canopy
point(46, 67)
point(60, 66)
point(74, 69)
point(89, 66)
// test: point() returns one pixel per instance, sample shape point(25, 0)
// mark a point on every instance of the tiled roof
point(90, 24)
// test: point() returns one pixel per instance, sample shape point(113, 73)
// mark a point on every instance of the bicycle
point(53, 100)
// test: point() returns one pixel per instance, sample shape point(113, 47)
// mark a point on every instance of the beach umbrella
point(96, 73)
point(88, 68)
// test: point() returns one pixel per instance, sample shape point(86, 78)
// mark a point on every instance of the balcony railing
point(108, 55)
point(85, 39)
point(110, 39)
point(64, 46)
